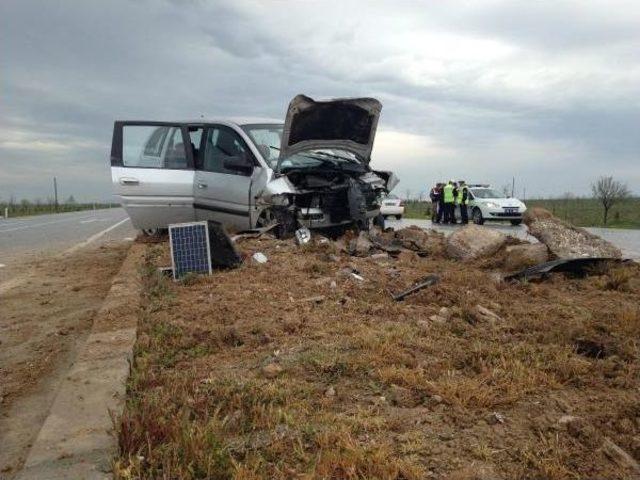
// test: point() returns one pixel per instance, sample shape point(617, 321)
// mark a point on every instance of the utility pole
point(513, 186)
point(55, 193)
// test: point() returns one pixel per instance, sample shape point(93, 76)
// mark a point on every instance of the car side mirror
point(239, 163)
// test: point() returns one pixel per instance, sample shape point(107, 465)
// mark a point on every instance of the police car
point(488, 204)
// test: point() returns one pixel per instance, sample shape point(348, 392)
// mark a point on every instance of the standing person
point(463, 201)
point(441, 207)
point(434, 195)
point(456, 194)
point(447, 193)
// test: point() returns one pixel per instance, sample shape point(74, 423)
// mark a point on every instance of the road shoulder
point(75, 440)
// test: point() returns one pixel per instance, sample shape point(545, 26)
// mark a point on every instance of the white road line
point(93, 238)
point(91, 220)
point(2, 265)
point(22, 227)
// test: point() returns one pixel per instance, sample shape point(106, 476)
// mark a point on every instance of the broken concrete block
point(518, 257)
point(473, 242)
point(564, 240)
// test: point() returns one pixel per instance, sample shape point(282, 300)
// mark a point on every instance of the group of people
point(444, 199)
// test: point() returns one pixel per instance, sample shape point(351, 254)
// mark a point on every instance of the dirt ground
point(298, 369)
point(42, 323)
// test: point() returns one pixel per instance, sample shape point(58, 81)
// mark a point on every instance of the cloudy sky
point(546, 91)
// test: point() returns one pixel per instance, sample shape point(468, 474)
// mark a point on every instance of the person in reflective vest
point(449, 205)
point(463, 201)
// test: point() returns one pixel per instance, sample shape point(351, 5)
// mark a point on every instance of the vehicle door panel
point(152, 173)
point(222, 194)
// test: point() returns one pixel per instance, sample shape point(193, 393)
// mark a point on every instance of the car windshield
point(486, 193)
point(267, 138)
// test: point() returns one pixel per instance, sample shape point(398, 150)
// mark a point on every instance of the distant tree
point(608, 191)
point(71, 200)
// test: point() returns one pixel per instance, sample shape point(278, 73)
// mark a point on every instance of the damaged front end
point(322, 178)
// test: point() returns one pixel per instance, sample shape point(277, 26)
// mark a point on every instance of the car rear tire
point(398, 217)
point(477, 216)
point(515, 223)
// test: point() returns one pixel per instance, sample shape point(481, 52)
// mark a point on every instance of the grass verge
point(295, 369)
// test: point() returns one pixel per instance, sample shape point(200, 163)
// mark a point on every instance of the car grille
point(514, 213)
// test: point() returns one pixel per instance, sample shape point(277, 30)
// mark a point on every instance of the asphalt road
point(26, 238)
point(627, 240)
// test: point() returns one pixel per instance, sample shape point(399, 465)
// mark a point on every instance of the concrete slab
point(76, 439)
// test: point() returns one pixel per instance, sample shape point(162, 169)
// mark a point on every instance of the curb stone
point(76, 439)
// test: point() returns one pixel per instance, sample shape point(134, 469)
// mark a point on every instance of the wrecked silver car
point(312, 171)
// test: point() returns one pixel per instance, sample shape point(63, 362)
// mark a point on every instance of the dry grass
point(372, 388)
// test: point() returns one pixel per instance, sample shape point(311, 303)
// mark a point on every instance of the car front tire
point(478, 219)
point(515, 223)
point(398, 217)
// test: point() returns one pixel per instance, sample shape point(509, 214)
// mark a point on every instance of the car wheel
point(379, 221)
point(285, 221)
point(152, 232)
point(266, 219)
point(477, 216)
point(398, 217)
point(515, 223)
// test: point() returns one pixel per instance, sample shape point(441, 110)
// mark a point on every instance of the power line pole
point(55, 193)
point(513, 186)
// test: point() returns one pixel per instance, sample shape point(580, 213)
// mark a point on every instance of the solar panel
point(190, 248)
point(197, 246)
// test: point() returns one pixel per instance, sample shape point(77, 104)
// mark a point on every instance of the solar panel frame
point(182, 269)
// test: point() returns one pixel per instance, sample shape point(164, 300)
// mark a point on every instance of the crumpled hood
point(504, 202)
point(344, 123)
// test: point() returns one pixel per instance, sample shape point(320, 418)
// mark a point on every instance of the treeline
point(26, 207)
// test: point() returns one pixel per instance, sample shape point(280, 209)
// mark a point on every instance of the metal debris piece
point(425, 282)
point(254, 232)
point(223, 251)
point(576, 266)
point(165, 271)
point(303, 235)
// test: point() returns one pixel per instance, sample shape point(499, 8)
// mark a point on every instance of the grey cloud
point(70, 69)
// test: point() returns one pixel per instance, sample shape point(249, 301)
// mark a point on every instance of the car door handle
point(202, 185)
point(129, 181)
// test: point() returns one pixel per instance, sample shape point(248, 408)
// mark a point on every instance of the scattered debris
point(351, 272)
point(564, 240)
point(473, 242)
point(575, 266)
point(254, 232)
point(380, 256)
point(486, 315)
point(619, 456)
point(494, 418)
point(591, 348)
point(303, 235)
point(566, 419)
point(361, 245)
point(259, 257)
point(425, 282)
point(165, 271)
point(330, 392)
point(315, 299)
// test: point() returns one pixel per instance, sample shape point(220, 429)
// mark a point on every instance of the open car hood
point(344, 123)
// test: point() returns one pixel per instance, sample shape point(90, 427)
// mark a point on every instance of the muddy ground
point(298, 369)
point(43, 321)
